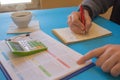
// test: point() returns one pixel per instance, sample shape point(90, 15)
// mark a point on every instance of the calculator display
point(15, 46)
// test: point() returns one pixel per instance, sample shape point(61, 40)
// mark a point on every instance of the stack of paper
point(67, 36)
point(55, 63)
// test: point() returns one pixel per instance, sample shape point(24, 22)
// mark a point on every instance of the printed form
point(55, 63)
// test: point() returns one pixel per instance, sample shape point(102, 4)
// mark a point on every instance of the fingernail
point(115, 73)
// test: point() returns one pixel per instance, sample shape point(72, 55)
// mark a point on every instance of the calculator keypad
point(30, 45)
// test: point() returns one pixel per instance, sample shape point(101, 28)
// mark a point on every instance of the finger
point(69, 20)
point(88, 21)
point(75, 17)
point(77, 30)
point(80, 27)
point(88, 24)
point(76, 20)
point(116, 70)
point(94, 53)
point(74, 27)
point(107, 54)
point(109, 63)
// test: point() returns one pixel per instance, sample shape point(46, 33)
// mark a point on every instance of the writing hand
point(75, 23)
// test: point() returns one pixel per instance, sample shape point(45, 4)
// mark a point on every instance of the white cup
point(21, 19)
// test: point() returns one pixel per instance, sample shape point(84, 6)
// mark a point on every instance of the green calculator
point(26, 47)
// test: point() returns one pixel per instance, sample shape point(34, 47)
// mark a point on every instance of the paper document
point(55, 63)
point(67, 36)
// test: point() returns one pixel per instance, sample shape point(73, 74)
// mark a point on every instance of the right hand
point(75, 24)
point(108, 58)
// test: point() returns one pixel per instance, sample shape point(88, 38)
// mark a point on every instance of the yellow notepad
point(67, 36)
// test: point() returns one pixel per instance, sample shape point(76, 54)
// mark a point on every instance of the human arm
point(92, 8)
point(96, 7)
point(108, 58)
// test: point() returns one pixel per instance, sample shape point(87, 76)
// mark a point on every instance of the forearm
point(96, 7)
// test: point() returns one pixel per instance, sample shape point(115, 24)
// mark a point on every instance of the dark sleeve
point(96, 7)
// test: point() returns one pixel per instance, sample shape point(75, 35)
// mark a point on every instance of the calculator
point(26, 47)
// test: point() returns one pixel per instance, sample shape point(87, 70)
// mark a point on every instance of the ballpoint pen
point(82, 18)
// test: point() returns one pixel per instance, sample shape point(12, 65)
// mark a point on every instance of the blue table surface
point(57, 18)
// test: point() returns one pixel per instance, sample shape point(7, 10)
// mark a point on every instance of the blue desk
point(57, 18)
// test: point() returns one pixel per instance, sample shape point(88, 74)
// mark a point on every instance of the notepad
point(54, 63)
point(67, 36)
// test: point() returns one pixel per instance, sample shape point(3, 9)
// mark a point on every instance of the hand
point(108, 58)
point(75, 24)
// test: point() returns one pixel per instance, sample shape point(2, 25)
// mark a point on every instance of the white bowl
point(21, 19)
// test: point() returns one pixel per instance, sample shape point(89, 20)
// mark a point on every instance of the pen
point(82, 18)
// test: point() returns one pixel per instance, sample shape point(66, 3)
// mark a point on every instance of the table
point(57, 18)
